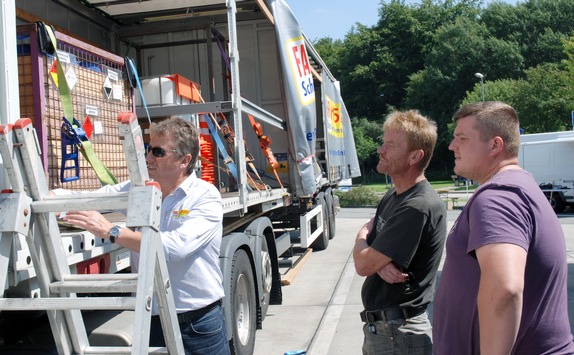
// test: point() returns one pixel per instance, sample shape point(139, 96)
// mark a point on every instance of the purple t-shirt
point(510, 208)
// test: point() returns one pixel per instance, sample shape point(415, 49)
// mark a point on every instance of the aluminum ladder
point(29, 210)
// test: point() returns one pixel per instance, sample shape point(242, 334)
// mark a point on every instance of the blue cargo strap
point(134, 80)
point(226, 157)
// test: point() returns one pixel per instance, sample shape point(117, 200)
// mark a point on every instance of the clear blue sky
point(333, 18)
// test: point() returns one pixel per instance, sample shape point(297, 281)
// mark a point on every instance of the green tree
point(377, 61)
point(330, 51)
point(536, 26)
point(364, 62)
point(503, 90)
point(424, 56)
point(569, 67)
point(367, 136)
point(542, 101)
point(460, 50)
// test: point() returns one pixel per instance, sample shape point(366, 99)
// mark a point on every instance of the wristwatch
point(114, 233)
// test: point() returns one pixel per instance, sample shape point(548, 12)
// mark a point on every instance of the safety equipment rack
point(29, 210)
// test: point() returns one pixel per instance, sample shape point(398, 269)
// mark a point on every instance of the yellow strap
point(102, 171)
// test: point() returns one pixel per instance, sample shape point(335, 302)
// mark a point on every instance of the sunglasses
point(157, 152)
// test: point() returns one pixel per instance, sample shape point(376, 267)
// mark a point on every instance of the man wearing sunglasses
point(191, 232)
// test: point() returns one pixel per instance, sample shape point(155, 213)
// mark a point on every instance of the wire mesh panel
point(99, 91)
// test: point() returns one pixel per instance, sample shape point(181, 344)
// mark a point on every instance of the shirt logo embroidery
point(179, 214)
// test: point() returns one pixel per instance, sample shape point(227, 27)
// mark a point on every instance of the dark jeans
point(205, 335)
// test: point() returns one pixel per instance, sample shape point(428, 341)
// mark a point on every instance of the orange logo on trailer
point(335, 125)
point(301, 70)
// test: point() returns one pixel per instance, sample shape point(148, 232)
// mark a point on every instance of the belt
point(389, 314)
point(192, 315)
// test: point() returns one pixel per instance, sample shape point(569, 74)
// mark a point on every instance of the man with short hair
point(503, 285)
point(400, 248)
point(191, 233)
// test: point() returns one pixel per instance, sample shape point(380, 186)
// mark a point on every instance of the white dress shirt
point(191, 232)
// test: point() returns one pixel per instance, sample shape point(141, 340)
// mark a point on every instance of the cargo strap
point(265, 144)
point(226, 157)
point(219, 38)
point(229, 136)
point(267, 150)
point(73, 135)
point(252, 183)
point(134, 80)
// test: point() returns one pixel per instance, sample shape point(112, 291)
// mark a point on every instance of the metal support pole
point(481, 77)
point(9, 95)
point(236, 102)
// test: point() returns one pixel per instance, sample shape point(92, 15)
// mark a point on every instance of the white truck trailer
point(546, 156)
point(258, 72)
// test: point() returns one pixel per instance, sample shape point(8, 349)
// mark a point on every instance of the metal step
point(82, 202)
point(60, 292)
point(112, 350)
point(67, 303)
point(94, 283)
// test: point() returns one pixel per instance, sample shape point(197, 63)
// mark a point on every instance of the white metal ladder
point(29, 210)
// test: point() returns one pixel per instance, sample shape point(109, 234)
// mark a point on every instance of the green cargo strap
point(103, 173)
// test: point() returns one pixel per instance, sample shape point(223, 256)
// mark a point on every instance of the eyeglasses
point(157, 152)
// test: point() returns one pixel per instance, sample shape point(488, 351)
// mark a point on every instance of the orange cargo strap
point(265, 144)
point(225, 128)
point(206, 152)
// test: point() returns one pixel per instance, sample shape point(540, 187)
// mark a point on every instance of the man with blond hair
point(400, 248)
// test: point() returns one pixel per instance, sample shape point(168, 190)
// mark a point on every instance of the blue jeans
point(205, 335)
point(411, 336)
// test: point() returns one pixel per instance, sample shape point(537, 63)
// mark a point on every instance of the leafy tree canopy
point(424, 56)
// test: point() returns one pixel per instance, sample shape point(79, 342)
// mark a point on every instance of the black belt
point(388, 314)
point(192, 315)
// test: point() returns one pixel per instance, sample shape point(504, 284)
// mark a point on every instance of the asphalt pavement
point(320, 310)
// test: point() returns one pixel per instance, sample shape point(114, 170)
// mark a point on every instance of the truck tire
point(266, 277)
point(243, 304)
point(331, 212)
point(322, 242)
point(557, 204)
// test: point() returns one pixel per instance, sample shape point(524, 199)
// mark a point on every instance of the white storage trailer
point(249, 58)
point(547, 156)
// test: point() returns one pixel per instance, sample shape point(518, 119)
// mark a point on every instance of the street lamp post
point(481, 77)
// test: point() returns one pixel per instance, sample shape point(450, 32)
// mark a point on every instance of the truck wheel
point(322, 242)
point(557, 204)
point(330, 212)
point(243, 304)
point(266, 277)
